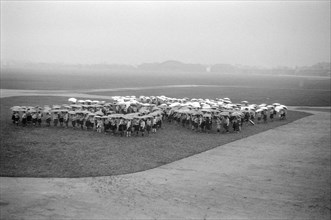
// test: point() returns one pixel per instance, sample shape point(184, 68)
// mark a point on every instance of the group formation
point(130, 115)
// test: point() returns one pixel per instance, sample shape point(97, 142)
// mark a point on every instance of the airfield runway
point(284, 173)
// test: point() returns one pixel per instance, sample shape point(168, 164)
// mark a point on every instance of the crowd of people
point(127, 116)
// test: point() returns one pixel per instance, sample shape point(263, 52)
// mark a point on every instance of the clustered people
point(131, 116)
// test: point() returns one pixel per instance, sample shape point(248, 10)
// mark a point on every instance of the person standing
point(282, 114)
point(148, 125)
point(136, 126)
point(99, 125)
point(121, 126)
point(226, 123)
point(188, 121)
point(235, 124)
point(142, 127)
point(128, 128)
point(106, 125)
point(258, 115)
point(218, 124)
point(66, 119)
point(61, 118)
point(158, 122)
point(113, 126)
point(183, 119)
point(39, 117)
point(196, 123)
point(16, 118)
point(154, 125)
point(48, 119)
point(55, 118)
point(34, 119)
point(272, 114)
point(92, 123)
point(24, 119)
point(13, 117)
point(252, 116)
point(208, 123)
point(81, 121)
point(264, 116)
point(28, 117)
point(73, 120)
point(246, 117)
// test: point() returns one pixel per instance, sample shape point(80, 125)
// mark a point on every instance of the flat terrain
point(283, 173)
point(280, 173)
point(67, 152)
point(289, 90)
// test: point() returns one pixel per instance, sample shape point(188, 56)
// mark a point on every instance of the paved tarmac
point(284, 173)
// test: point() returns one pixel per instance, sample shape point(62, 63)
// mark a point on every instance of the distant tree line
point(318, 69)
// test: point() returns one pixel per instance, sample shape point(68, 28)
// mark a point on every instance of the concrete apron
point(281, 173)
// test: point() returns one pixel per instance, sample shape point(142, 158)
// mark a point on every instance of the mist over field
point(53, 78)
point(255, 87)
point(249, 50)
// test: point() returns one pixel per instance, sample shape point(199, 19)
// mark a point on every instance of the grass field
point(74, 79)
point(59, 152)
point(291, 97)
point(288, 90)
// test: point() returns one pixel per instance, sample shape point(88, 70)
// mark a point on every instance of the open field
point(291, 97)
point(60, 152)
point(289, 90)
point(75, 79)
point(283, 173)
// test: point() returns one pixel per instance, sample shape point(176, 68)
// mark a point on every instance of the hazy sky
point(241, 32)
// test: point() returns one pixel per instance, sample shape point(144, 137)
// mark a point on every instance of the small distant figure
point(208, 125)
point(61, 119)
point(226, 123)
point(154, 122)
point(121, 126)
point(81, 121)
point(55, 119)
point(235, 124)
point(218, 124)
point(73, 120)
point(48, 119)
point(13, 117)
point(28, 117)
point(265, 116)
point(252, 118)
point(128, 128)
point(142, 127)
point(16, 118)
point(259, 116)
point(39, 117)
point(136, 126)
point(272, 113)
point(148, 125)
point(34, 119)
point(282, 114)
point(24, 119)
point(66, 119)
point(99, 125)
